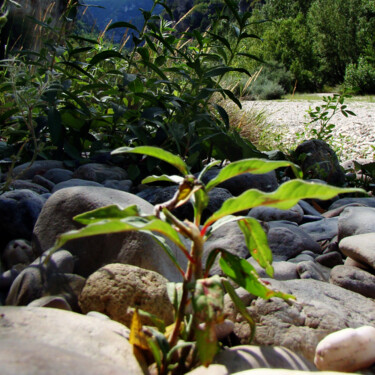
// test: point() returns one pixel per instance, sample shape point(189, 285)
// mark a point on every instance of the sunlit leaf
point(108, 212)
point(175, 179)
point(137, 337)
point(156, 152)
point(285, 197)
point(254, 166)
point(245, 275)
point(257, 243)
point(105, 55)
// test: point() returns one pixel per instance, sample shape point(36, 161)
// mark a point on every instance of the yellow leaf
point(137, 336)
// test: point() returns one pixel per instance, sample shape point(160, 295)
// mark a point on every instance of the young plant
point(192, 338)
point(320, 126)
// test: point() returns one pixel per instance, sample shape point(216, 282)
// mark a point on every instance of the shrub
point(360, 77)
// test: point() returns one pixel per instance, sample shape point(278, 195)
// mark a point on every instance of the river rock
point(44, 341)
point(287, 241)
point(74, 182)
point(94, 252)
point(330, 259)
point(27, 184)
point(318, 160)
point(321, 308)
point(312, 270)
point(17, 252)
point(266, 182)
point(116, 288)
point(361, 248)
point(324, 229)
point(99, 172)
point(245, 357)
point(123, 185)
point(55, 302)
point(29, 170)
point(356, 220)
point(294, 214)
point(368, 202)
point(57, 175)
point(354, 279)
point(21, 209)
point(282, 270)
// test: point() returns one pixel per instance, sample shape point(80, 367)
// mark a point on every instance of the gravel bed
point(354, 134)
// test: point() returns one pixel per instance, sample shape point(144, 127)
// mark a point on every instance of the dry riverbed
point(354, 135)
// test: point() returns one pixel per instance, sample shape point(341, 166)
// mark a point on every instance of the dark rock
point(42, 181)
point(308, 209)
point(26, 184)
point(318, 160)
point(17, 252)
point(19, 210)
point(263, 213)
point(324, 229)
point(237, 185)
point(123, 185)
point(354, 279)
point(99, 172)
point(74, 182)
point(286, 240)
point(94, 252)
point(57, 175)
point(158, 195)
point(356, 220)
point(28, 170)
point(282, 270)
point(330, 259)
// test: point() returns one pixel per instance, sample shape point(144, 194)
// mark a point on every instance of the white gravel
point(354, 135)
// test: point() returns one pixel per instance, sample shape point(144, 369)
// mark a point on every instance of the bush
point(264, 89)
point(360, 77)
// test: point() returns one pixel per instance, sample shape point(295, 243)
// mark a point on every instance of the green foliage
point(360, 77)
point(320, 125)
point(194, 332)
point(78, 95)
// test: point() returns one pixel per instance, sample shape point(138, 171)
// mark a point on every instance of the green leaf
point(175, 179)
point(285, 197)
point(257, 243)
point(233, 98)
point(108, 212)
point(220, 71)
point(117, 25)
point(245, 275)
point(105, 55)
point(223, 114)
point(158, 153)
point(240, 306)
point(207, 344)
point(254, 166)
point(208, 167)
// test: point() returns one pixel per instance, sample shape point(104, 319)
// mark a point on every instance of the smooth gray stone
point(54, 302)
point(308, 209)
point(57, 175)
point(354, 279)
point(263, 213)
point(324, 229)
point(27, 184)
point(17, 252)
point(282, 270)
point(312, 270)
point(73, 183)
point(361, 248)
point(42, 181)
point(321, 308)
point(287, 240)
point(356, 220)
point(330, 259)
point(100, 172)
point(29, 170)
point(369, 202)
point(123, 185)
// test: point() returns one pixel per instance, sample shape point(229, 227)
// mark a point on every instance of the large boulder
point(318, 160)
point(94, 252)
point(321, 308)
point(43, 341)
point(116, 288)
